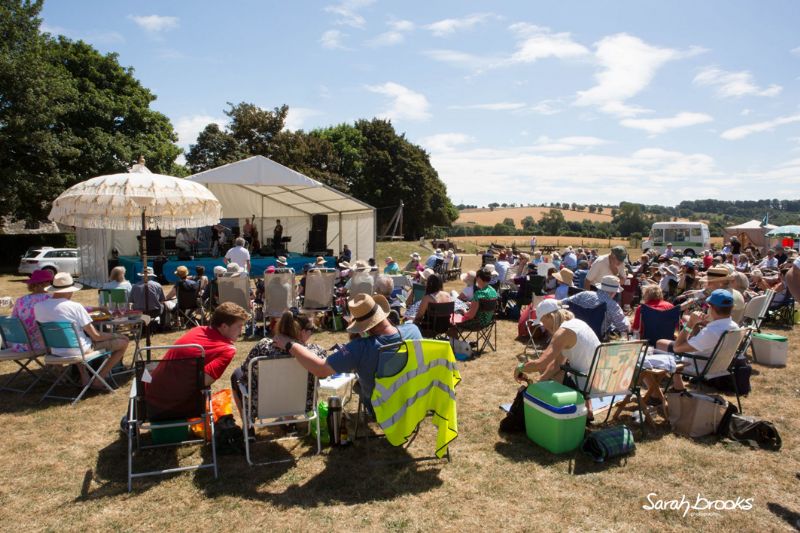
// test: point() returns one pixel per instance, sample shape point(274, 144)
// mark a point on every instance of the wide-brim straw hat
point(320, 260)
point(281, 260)
point(564, 275)
point(149, 270)
point(366, 313)
point(425, 274)
point(63, 282)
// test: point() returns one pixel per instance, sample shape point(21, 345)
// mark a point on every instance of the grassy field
point(488, 217)
point(64, 469)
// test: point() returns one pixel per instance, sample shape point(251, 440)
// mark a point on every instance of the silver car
point(52, 259)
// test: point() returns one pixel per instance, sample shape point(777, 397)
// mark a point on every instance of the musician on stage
point(277, 234)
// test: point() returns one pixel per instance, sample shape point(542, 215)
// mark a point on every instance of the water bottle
point(335, 420)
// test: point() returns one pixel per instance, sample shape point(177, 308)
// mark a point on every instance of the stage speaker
point(316, 241)
point(153, 242)
point(319, 223)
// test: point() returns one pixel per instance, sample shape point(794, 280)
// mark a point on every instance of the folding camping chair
point(483, 333)
point(782, 313)
point(236, 289)
point(431, 356)
point(614, 371)
point(362, 283)
point(318, 293)
point(64, 335)
point(756, 310)
point(438, 320)
point(455, 268)
point(417, 292)
point(113, 299)
point(13, 331)
point(657, 324)
point(169, 396)
point(593, 316)
point(282, 396)
point(279, 293)
point(720, 362)
point(189, 307)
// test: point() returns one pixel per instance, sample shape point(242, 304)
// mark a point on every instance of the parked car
point(53, 259)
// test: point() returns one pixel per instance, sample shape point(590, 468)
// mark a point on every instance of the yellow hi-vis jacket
point(425, 385)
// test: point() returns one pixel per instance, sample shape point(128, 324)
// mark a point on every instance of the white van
point(690, 237)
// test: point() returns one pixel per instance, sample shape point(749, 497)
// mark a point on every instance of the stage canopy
point(750, 233)
point(261, 187)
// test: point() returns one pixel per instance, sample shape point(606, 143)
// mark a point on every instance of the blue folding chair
point(593, 316)
point(658, 324)
point(64, 335)
point(14, 332)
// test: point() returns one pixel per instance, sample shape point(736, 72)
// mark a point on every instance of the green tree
point(629, 219)
point(552, 222)
point(509, 222)
point(493, 206)
point(67, 113)
point(527, 222)
point(251, 131)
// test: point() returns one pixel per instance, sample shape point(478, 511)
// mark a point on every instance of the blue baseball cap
point(721, 298)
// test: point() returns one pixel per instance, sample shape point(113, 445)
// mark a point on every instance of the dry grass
point(64, 469)
point(488, 217)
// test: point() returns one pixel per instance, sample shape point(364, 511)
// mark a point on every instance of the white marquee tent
point(261, 187)
point(749, 233)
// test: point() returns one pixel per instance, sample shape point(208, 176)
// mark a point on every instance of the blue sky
point(517, 101)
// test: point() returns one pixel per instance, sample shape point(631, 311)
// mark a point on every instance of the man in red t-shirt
point(217, 339)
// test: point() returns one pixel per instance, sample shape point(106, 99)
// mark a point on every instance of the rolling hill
point(487, 217)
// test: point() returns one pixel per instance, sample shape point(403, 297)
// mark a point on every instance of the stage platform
point(133, 265)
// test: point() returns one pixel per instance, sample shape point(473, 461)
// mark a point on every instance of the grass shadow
point(787, 515)
point(349, 476)
point(111, 470)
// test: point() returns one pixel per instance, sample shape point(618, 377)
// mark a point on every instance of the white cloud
point(347, 12)
point(445, 142)
point(740, 132)
point(538, 43)
point(795, 51)
point(627, 65)
point(661, 125)
point(189, 127)
point(405, 103)
point(297, 117)
point(733, 84)
point(332, 40)
point(446, 27)
point(154, 23)
point(548, 107)
point(462, 59)
point(566, 144)
point(496, 106)
point(653, 175)
point(395, 35)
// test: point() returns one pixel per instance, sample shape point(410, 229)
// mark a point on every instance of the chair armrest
point(569, 370)
point(693, 356)
point(244, 391)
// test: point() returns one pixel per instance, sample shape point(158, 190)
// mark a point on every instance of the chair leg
point(642, 420)
point(736, 390)
point(55, 383)
point(130, 455)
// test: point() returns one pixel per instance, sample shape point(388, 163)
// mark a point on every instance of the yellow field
point(488, 217)
point(523, 242)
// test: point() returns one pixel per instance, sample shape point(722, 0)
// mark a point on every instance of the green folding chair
point(113, 298)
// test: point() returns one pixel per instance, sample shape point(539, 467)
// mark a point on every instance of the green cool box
point(555, 416)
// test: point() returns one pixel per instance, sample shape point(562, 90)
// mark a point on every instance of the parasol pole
point(143, 252)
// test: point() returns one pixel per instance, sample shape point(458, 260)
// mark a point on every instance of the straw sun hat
point(366, 313)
